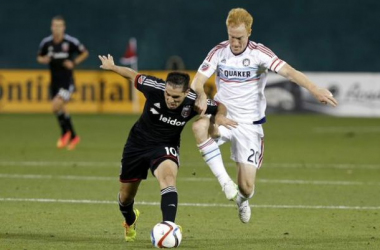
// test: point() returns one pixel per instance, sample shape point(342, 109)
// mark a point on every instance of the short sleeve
point(78, 47)
point(210, 63)
point(268, 59)
point(43, 48)
point(148, 84)
point(212, 107)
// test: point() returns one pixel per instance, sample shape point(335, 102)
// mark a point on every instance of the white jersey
point(241, 79)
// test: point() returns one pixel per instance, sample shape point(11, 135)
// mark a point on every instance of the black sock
point(169, 202)
point(62, 122)
point(69, 125)
point(127, 212)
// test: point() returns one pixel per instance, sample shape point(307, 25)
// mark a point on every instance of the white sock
point(211, 154)
point(241, 198)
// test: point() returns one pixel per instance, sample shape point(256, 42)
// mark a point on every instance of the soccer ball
point(166, 234)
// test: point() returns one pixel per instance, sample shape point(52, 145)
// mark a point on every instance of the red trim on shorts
point(261, 158)
point(130, 180)
point(165, 157)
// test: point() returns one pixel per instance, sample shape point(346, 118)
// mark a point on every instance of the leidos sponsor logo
point(174, 122)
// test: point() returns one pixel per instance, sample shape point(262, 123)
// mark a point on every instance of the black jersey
point(59, 52)
point(158, 124)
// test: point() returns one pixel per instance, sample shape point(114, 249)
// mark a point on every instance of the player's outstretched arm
point(197, 85)
point(108, 64)
point(321, 94)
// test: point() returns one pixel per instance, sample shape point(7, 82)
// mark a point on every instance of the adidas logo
point(155, 112)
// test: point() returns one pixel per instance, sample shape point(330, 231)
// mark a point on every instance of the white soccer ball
point(166, 234)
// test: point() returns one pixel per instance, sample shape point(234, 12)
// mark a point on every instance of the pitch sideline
point(186, 204)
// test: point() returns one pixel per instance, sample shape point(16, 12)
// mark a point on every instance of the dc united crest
point(186, 111)
point(65, 46)
point(246, 62)
point(141, 79)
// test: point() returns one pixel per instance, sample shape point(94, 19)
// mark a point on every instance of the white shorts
point(247, 143)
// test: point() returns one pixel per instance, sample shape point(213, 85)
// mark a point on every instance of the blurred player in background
point(62, 52)
point(154, 140)
point(241, 68)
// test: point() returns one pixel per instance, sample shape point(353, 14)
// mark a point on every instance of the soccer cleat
point(244, 211)
point(64, 140)
point(130, 230)
point(230, 189)
point(73, 143)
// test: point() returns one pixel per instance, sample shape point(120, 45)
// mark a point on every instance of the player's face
point(58, 27)
point(238, 37)
point(174, 96)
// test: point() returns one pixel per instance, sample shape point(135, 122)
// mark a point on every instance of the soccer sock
point(241, 198)
point(127, 212)
point(211, 155)
point(61, 121)
point(169, 202)
point(69, 125)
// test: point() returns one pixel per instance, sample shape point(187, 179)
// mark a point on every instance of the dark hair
point(178, 79)
point(58, 18)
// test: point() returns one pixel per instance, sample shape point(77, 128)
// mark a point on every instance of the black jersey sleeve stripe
point(72, 39)
point(45, 40)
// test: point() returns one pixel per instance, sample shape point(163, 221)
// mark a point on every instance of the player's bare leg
point(166, 174)
point(246, 184)
point(68, 137)
point(126, 198)
point(204, 131)
point(58, 106)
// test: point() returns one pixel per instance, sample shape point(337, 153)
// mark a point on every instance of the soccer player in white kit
point(241, 68)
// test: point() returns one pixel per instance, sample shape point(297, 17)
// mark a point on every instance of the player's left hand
point(68, 64)
point(325, 96)
point(107, 62)
point(221, 120)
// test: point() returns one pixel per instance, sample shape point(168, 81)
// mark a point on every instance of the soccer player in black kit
point(154, 140)
point(62, 53)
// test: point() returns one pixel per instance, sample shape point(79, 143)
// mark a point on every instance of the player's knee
point(125, 198)
point(57, 107)
point(168, 180)
point(201, 126)
point(247, 190)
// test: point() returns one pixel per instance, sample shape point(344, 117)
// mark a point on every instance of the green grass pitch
point(319, 187)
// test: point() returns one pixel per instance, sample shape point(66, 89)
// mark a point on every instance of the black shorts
point(138, 160)
point(65, 90)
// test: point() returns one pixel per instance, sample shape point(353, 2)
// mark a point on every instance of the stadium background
point(313, 35)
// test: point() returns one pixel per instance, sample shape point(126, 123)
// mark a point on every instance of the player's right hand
point(201, 104)
point(107, 62)
point(45, 59)
point(221, 120)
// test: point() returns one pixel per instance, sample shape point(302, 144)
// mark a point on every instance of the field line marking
point(352, 129)
point(189, 163)
point(191, 179)
point(146, 203)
